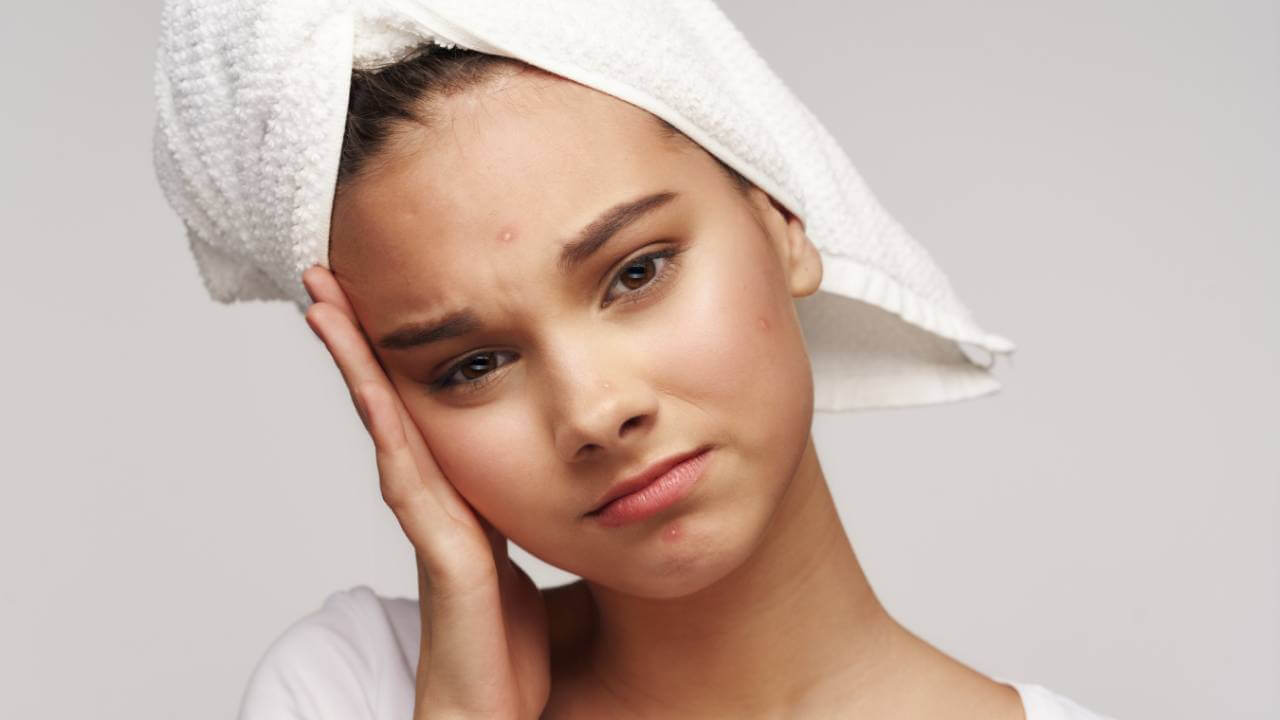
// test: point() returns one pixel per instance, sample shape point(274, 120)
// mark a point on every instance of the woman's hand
point(485, 650)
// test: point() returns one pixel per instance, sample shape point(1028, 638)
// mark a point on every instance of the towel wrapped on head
point(251, 108)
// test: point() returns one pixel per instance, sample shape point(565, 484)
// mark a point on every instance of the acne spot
point(763, 322)
point(673, 532)
point(506, 236)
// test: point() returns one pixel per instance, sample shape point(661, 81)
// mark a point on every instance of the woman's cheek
point(727, 345)
point(487, 453)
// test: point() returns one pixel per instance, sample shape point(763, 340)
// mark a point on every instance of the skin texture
point(743, 600)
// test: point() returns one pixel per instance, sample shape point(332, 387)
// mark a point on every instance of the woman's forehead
point(531, 146)
point(499, 170)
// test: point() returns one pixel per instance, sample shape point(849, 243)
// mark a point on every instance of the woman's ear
point(801, 261)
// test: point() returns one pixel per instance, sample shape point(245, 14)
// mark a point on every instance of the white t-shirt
point(356, 659)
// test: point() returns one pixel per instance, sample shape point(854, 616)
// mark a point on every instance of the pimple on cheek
point(762, 322)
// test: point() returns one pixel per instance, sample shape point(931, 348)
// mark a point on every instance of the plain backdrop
point(1100, 181)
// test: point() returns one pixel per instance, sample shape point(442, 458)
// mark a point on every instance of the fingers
point(334, 322)
point(424, 502)
point(360, 368)
point(360, 362)
point(402, 488)
point(339, 331)
point(426, 506)
point(323, 287)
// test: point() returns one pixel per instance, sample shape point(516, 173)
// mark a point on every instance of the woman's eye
point(473, 372)
point(641, 275)
point(637, 278)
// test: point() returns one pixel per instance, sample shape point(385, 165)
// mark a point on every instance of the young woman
point(565, 323)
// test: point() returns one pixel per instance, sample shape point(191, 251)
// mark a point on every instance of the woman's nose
point(602, 412)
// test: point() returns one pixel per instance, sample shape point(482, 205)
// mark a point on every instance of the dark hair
point(387, 100)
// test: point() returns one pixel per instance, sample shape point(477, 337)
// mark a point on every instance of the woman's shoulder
point(354, 657)
point(1041, 703)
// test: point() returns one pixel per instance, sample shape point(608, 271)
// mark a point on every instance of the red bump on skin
point(673, 532)
point(506, 235)
point(763, 323)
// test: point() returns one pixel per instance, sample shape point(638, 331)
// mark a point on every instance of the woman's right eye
point(472, 372)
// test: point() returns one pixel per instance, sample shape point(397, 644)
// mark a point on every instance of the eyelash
point(446, 384)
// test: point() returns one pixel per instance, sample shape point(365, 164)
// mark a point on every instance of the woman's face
point(571, 372)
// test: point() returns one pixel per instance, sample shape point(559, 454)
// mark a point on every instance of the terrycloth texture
point(252, 98)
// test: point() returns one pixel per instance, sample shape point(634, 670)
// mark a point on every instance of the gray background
point(183, 479)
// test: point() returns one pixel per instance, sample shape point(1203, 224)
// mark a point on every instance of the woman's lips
point(658, 495)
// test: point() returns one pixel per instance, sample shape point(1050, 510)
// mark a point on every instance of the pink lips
point(659, 487)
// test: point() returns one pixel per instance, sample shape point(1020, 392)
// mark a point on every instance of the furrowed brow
point(572, 255)
point(415, 335)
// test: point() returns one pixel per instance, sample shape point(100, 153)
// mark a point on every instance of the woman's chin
point(708, 534)
point(682, 555)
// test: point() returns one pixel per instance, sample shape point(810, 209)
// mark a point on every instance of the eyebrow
point(573, 254)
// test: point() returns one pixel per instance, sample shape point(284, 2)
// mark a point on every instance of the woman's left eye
point(640, 276)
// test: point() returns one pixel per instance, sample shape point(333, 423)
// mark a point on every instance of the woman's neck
point(796, 622)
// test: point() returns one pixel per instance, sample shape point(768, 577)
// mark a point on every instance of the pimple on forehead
point(507, 235)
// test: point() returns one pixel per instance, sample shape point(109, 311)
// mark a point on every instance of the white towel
point(251, 107)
